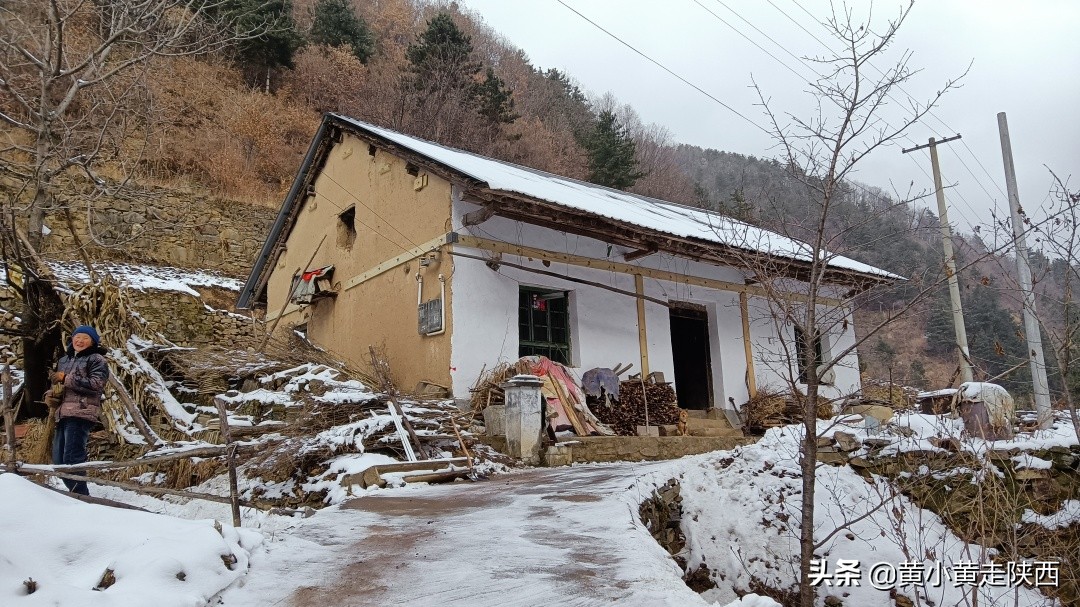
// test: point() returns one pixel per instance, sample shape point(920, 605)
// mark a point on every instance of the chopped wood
point(629, 412)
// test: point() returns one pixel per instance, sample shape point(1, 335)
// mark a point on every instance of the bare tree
point(72, 101)
point(821, 152)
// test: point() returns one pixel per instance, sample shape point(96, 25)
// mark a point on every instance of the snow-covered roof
point(667, 217)
point(700, 227)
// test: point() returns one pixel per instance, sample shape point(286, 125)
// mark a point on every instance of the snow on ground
point(563, 536)
point(741, 517)
point(66, 548)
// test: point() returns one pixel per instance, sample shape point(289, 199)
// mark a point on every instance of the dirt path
point(542, 537)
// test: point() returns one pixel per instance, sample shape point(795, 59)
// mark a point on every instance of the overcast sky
point(1025, 59)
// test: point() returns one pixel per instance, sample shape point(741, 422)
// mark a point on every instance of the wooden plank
point(751, 376)
point(643, 340)
point(436, 477)
point(394, 262)
point(424, 464)
point(622, 268)
point(9, 419)
point(230, 458)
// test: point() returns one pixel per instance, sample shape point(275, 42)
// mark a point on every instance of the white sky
point(1025, 61)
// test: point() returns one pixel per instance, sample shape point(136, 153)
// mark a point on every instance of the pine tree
point(441, 58)
point(275, 46)
point(494, 101)
point(336, 24)
point(611, 153)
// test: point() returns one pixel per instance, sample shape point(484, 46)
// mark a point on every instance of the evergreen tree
point(336, 24)
point(611, 153)
point(278, 42)
point(441, 58)
point(494, 101)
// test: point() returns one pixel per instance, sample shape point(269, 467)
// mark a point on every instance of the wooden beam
point(478, 216)
point(622, 268)
point(631, 256)
point(751, 375)
point(382, 268)
point(519, 207)
point(564, 277)
point(643, 340)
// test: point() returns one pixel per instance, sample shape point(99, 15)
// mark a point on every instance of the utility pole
point(950, 260)
point(1036, 357)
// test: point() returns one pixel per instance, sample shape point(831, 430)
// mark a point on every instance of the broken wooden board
point(373, 476)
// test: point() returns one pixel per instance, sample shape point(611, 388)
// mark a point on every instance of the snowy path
point(562, 536)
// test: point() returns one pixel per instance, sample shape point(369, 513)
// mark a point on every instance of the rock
point(947, 443)
point(847, 442)
point(833, 601)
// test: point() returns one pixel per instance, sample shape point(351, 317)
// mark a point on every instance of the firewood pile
point(487, 391)
point(625, 415)
point(770, 409)
point(897, 396)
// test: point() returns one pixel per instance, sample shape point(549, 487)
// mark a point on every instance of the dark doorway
point(690, 354)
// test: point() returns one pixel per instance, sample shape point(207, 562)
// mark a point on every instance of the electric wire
point(666, 69)
point(911, 98)
point(877, 120)
point(959, 194)
point(768, 132)
point(373, 212)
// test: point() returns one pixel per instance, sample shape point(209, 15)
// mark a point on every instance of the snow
point(148, 277)
point(562, 536)
point(657, 214)
point(1068, 514)
point(66, 547)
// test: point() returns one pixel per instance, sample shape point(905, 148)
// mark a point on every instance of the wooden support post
point(751, 376)
point(643, 341)
point(9, 419)
point(230, 458)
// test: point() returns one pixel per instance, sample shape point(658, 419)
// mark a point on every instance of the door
point(690, 354)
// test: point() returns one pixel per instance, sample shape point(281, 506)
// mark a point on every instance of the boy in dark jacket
point(83, 373)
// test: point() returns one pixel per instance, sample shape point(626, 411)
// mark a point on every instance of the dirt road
point(563, 536)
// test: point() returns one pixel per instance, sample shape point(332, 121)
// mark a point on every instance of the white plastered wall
point(603, 324)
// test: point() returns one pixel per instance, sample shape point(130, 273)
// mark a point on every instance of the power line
point(877, 120)
point(910, 98)
point(666, 69)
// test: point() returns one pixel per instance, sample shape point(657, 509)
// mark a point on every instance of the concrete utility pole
point(1036, 358)
point(950, 261)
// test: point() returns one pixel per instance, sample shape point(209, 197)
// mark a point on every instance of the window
point(801, 346)
point(346, 235)
point(544, 324)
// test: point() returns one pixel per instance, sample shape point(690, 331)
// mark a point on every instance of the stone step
point(695, 422)
point(638, 448)
point(705, 414)
point(715, 432)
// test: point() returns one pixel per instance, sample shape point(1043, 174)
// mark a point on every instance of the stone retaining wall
point(163, 226)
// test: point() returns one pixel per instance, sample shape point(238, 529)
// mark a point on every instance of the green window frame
point(802, 346)
point(544, 324)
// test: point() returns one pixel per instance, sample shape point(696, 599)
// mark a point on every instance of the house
point(452, 262)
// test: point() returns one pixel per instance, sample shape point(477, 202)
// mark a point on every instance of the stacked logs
point(628, 413)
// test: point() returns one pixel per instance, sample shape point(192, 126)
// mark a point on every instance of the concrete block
point(495, 420)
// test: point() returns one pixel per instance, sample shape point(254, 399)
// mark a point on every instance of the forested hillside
point(234, 117)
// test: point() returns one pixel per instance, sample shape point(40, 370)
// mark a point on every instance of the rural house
point(451, 262)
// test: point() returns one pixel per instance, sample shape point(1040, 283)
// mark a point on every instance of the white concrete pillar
point(524, 418)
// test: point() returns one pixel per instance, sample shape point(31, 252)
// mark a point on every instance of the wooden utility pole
point(1036, 357)
point(950, 260)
